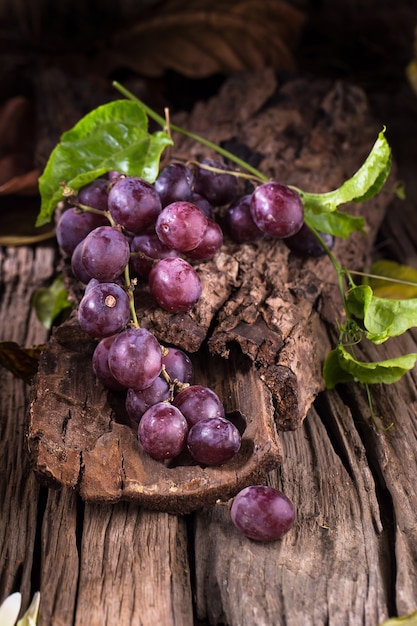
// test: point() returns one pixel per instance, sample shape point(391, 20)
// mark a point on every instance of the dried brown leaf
point(207, 37)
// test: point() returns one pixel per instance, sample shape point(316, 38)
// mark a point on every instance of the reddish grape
point(174, 284)
point(135, 358)
point(181, 226)
point(74, 225)
point(95, 194)
point(146, 249)
point(277, 210)
point(134, 204)
point(138, 401)
point(239, 221)
point(262, 513)
point(101, 365)
point(198, 402)
point(213, 441)
point(77, 265)
point(305, 243)
point(219, 189)
point(210, 245)
point(104, 310)
point(162, 431)
point(105, 253)
point(175, 182)
point(178, 365)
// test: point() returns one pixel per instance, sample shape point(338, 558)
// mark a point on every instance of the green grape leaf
point(404, 620)
point(382, 317)
point(341, 367)
point(112, 137)
point(337, 223)
point(51, 302)
point(403, 285)
point(363, 185)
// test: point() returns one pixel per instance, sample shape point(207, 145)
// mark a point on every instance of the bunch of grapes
point(121, 229)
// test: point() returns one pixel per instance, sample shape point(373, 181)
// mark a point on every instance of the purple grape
point(203, 204)
point(197, 403)
point(113, 176)
point(305, 243)
point(162, 431)
point(178, 365)
point(77, 265)
point(213, 441)
point(210, 245)
point(239, 221)
point(105, 253)
point(74, 225)
point(277, 210)
point(95, 194)
point(175, 182)
point(138, 401)
point(146, 249)
point(104, 310)
point(134, 204)
point(174, 284)
point(181, 226)
point(135, 358)
point(219, 189)
point(262, 513)
point(101, 365)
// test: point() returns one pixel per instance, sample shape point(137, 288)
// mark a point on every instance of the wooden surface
point(349, 561)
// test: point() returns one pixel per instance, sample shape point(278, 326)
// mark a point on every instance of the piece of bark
point(77, 436)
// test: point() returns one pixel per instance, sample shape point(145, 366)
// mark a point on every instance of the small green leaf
point(112, 137)
point(341, 367)
point(337, 223)
point(50, 302)
point(403, 285)
point(405, 620)
point(363, 185)
point(382, 317)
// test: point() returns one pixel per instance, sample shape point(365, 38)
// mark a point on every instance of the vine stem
point(205, 142)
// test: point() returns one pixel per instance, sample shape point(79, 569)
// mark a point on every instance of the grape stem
point(205, 142)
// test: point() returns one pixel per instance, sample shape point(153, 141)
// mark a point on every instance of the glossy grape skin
point(239, 221)
point(74, 225)
point(219, 189)
point(213, 441)
point(175, 182)
point(146, 249)
point(277, 210)
point(203, 204)
point(181, 226)
point(103, 310)
point(134, 204)
point(197, 403)
point(100, 364)
point(105, 253)
point(138, 401)
point(174, 284)
point(162, 431)
point(77, 265)
point(210, 245)
point(304, 243)
point(262, 513)
point(177, 365)
point(135, 358)
point(95, 194)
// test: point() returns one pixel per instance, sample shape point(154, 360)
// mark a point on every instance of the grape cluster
point(121, 229)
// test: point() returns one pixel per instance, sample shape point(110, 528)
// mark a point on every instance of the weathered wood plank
point(331, 568)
